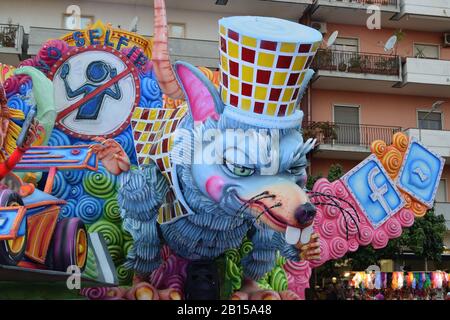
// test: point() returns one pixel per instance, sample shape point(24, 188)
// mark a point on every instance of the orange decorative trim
point(392, 158)
point(40, 232)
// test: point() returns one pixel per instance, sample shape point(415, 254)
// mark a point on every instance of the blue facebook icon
point(374, 191)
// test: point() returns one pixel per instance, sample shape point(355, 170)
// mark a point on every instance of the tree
point(424, 239)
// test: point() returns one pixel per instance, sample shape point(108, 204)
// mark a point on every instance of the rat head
point(242, 149)
point(251, 171)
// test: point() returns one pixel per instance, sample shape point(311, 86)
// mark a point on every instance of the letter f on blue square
point(374, 191)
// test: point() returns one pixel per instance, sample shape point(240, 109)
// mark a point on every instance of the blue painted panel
point(421, 173)
point(7, 218)
point(374, 191)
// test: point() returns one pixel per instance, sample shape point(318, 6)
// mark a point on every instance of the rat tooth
point(292, 235)
point(306, 234)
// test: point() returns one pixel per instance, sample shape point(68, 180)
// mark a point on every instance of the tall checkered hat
point(264, 64)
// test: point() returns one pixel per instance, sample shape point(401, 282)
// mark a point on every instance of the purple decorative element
point(94, 293)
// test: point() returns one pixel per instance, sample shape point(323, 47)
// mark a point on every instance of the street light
point(435, 106)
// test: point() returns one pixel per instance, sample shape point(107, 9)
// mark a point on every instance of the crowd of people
point(343, 291)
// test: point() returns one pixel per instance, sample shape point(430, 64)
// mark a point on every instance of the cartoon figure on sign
point(96, 73)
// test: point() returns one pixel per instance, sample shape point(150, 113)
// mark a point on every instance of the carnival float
point(112, 182)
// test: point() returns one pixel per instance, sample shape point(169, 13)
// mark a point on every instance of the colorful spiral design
point(278, 280)
point(25, 86)
point(378, 147)
point(366, 235)
point(124, 275)
point(76, 191)
point(380, 239)
point(127, 245)
point(111, 233)
point(246, 247)
point(150, 89)
point(101, 183)
point(338, 247)
point(408, 199)
point(328, 229)
point(392, 161)
point(331, 211)
point(295, 268)
point(89, 209)
point(58, 138)
point(16, 102)
point(60, 187)
point(73, 176)
point(49, 55)
point(323, 186)
point(340, 190)
point(233, 255)
point(68, 210)
point(353, 245)
point(393, 228)
point(94, 293)
point(400, 141)
point(11, 86)
point(419, 209)
point(125, 139)
point(111, 211)
point(349, 226)
point(319, 217)
point(406, 218)
point(116, 253)
point(31, 62)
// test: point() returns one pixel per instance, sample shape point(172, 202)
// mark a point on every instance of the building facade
point(366, 86)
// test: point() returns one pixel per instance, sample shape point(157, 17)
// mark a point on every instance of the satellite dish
point(332, 38)
point(390, 44)
point(133, 24)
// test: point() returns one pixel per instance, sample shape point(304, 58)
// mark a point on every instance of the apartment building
point(365, 88)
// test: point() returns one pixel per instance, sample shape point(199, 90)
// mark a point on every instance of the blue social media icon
point(421, 173)
point(374, 191)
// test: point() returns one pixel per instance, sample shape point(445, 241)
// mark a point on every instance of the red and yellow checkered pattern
point(153, 139)
point(260, 76)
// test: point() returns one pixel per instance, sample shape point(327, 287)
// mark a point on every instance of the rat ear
point(202, 97)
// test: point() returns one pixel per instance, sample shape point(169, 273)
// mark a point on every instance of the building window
point(70, 23)
point(426, 51)
point(441, 194)
point(177, 30)
point(346, 44)
point(429, 120)
point(346, 127)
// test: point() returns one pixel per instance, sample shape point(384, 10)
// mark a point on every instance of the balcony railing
point(9, 35)
point(348, 134)
point(369, 2)
point(355, 62)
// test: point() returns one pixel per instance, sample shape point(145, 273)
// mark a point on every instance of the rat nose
point(305, 213)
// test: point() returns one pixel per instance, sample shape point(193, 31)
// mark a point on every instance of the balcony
point(353, 11)
point(365, 72)
point(346, 141)
point(197, 52)
point(437, 140)
point(430, 77)
point(11, 38)
point(429, 15)
point(444, 209)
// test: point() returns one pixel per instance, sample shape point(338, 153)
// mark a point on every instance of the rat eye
point(296, 170)
point(239, 170)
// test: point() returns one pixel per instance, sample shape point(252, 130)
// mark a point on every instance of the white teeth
point(306, 234)
point(292, 235)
